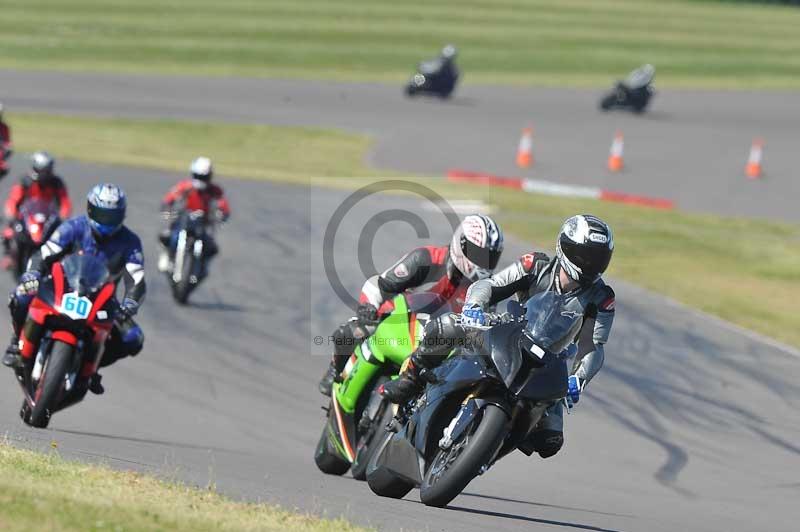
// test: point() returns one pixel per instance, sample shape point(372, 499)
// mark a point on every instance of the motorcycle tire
point(182, 288)
point(371, 442)
point(411, 90)
point(382, 482)
point(327, 458)
point(50, 384)
point(482, 443)
point(607, 103)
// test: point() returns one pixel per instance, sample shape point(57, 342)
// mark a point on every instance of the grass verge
point(553, 42)
point(46, 492)
point(742, 270)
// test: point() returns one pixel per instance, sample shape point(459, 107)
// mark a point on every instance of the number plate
point(77, 308)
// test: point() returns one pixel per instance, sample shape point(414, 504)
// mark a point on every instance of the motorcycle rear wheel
point(450, 471)
point(51, 383)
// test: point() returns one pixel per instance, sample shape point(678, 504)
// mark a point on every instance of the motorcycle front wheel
point(50, 384)
point(450, 471)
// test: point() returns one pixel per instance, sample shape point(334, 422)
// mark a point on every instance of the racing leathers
point(5, 147)
point(49, 189)
point(124, 258)
point(532, 274)
point(185, 195)
point(421, 266)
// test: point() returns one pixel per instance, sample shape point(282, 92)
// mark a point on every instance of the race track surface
point(690, 426)
point(691, 147)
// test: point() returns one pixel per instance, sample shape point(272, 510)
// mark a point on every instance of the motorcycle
point(37, 221)
point(633, 93)
point(72, 315)
point(5, 156)
point(186, 246)
point(482, 403)
point(432, 78)
point(357, 413)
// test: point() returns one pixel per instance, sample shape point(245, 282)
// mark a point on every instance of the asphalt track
point(691, 147)
point(690, 426)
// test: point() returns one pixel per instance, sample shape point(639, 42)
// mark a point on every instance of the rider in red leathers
point(473, 254)
point(5, 144)
point(195, 194)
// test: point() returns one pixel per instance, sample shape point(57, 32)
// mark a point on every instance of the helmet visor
point(107, 217)
point(485, 258)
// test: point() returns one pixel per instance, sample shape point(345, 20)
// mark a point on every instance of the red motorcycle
point(70, 318)
point(37, 221)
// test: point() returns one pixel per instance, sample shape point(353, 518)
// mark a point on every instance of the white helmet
point(202, 172)
point(476, 247)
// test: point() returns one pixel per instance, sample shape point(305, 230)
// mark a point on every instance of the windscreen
point(549, 324)
point(33, 207)
point(85, 273)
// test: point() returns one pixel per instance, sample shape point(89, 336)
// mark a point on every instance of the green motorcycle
point(357, 413)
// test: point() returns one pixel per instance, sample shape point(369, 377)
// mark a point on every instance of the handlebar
point(492, 319)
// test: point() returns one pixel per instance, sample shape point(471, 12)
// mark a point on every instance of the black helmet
point(584, 248)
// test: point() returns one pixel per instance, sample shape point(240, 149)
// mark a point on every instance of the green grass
point(552, 42)
point(44, 492)
point(745, 271)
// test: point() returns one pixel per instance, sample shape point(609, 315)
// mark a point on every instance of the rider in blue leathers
point(100, 232)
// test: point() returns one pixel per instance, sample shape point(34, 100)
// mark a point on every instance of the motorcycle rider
point(472, 254)
point(195, 194)
point(40, 183)
point(444, 65)
point(100, 232)
point(583, 251)
point(5, 141)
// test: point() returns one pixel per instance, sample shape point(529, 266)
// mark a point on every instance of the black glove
point(367, 313)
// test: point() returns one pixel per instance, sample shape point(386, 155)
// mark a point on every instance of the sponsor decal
point(527, 262)
point(599, 238)
point(571, 314)
point(401, 270)
point(608, 305)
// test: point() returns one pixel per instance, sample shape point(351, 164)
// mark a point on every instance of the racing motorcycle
point(5, 156)
point(633, 93)
point(37, 221)
point(186, 247)
point(479, 405)
point(432, 78)
point(357, 413)
point(71, 316)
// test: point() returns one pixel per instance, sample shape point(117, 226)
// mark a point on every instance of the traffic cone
point(525, 149)
point(753, 167)
point(615, 156)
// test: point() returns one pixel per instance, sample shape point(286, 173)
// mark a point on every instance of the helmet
point(476, 247)
point(202, 171)
point(449, 52)
point(105, 208)
point(584, 248)
point(42, 165)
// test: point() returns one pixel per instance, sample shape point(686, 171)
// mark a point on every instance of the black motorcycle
point(478, 406)
point(186, 248)
point(633, 93)
point(437, 78)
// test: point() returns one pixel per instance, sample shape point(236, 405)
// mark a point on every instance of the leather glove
point(367, 313)
point(472, 315)
point(574, 389)
point(28, 283)
point(220, 216)
point(128, 308)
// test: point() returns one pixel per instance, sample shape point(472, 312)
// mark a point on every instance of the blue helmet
point(105, 208)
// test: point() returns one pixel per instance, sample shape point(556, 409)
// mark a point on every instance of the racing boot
point(95, 384)
point(12, 357)
point(406, 387)
point(330, 376)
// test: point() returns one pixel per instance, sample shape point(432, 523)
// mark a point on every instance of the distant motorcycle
point(5, 156)
point(437, 77)
point(633, 93)
point(186, 248)
point(75, 309)
point(37, 221)
point(478, 406)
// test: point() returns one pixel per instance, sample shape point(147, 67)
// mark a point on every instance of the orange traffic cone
point(753, 167)
point(525, 149)
point(615, 156)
